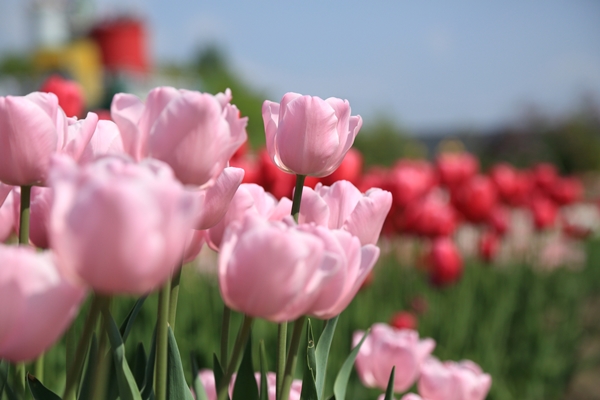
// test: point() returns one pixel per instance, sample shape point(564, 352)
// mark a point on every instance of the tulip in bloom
point(307, 135)
point(453, 381)
point(7, 215)
point(386, 347)
point(118, 226)
point(343, 206)
point(195, 133)
point(36, 303)
point(69, 93)
point(207, 378)
point(32, 129)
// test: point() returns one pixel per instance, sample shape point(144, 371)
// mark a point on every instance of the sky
point(427, 65)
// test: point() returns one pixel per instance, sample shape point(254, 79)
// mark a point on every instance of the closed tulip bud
point(453, 381)
point(386, 347)
point(69, 93)
point(343, 206)
point(444, 262)
point(36, 303)
point(118, 226)
point(195, 133)
point(32, 129)
point(308, 135)
point(404, 320)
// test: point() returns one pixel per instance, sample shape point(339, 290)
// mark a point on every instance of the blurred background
point(508, 82)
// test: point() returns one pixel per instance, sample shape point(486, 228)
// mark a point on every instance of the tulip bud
point(445, 262)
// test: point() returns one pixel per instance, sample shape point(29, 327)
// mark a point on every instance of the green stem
point(24, 215)
point(225, 334)
point(102, 369)
point(290, 365)
point(281, 356)
point(174, 296)
point(20, 389)
point(162, 331)
point(236, 356)
point(297, 196)
point(74, 371)
point(38, 368)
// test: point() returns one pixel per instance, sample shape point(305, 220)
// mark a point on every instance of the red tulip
point(430, 217)
point(544, 212)
point(475, 198)
point(69, 93)
point(489, 245)
point(455, 168)
point(567, 191)
point(505, 178)
point(349, 169)
point(500, 220)
point(544, 175)
point(404, 320)
point(445, 262)
point(410, 180)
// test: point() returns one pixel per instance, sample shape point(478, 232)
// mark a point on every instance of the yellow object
point(81, 59)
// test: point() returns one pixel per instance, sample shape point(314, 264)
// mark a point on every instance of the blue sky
point(425, 64)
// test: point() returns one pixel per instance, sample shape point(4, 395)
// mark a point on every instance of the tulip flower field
point(156, 256)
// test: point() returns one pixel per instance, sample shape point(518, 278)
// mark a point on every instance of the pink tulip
point(193, 245)
point(453, 381)
point(308, 135)
point(8, 219)
point(106, 140)
point(343, 206)
point(207, 378)
point(119, 227)
point(249, 198)
point(195, 133)
point(32, 129)
point(386, 347)
point(213, 201)
point(271, 269)
point(36, 303)
point(40, 205)
point(349, 264)
point(295, 390)
point(69, 93)
point(411, 396)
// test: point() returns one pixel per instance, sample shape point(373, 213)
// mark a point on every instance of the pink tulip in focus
point(271, 269)
point(69, 93)
point(386, 347)
point(195, 133)
point(106, 140)
point(41, 203)
point(343, 206)
point(36, 303)
point(307, 135)
point(213, 201)
point(118, 226)
point(249, 198)
point(453, 381)
point(347, 262)
point(32, 129)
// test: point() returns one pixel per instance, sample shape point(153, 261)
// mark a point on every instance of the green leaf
point(245, 387)
point(309, 388)
point(39, 391)
point(199, 389)
point(128, 322)
point(341, 381)
point(218, 371)
point(3, 376)
point(147, 391)
point(322, 354)
point(389, 393)
point(139, 365)
point(264, 387)
point(127, 387)
point(177, 388)
point(90, 369)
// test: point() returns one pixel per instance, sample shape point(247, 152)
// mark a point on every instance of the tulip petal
point(213, 202)
point(126, 110)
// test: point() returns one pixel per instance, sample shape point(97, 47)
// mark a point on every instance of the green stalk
point(282, 328)
point(225, 334)
point(236, 356)
point(38, 368)
point(297, 196)
point(162, 331)
point(174, 296)
point(290, 365)
point(101, 373)
point(24, 209)
point(74, 369)
point(281, 356)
